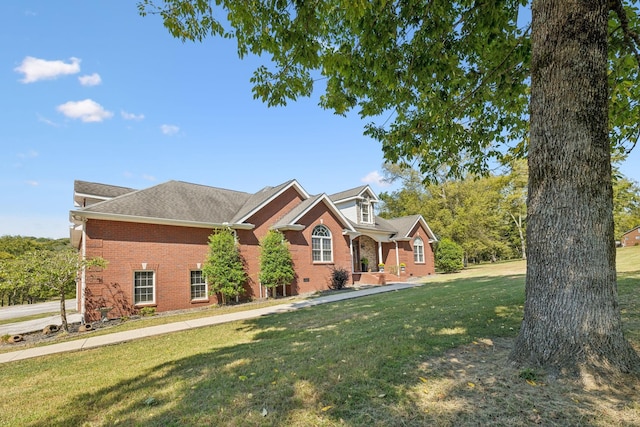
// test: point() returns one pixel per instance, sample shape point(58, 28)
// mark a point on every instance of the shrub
point(449, 256)
point(276, 264)
point(224, 266)
point(339, 277)
point(147, 311)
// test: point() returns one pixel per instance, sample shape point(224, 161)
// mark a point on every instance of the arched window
point(418, 250)
point(321, 244)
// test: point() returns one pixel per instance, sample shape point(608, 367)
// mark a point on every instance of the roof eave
point(79, 215)
point(289, 227)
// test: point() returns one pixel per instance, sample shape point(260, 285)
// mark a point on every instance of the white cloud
point(87, 111)
point(47, 121)
point(33, 183)
point(35, 69)
point(375, 178)
point(148, 177)
point(169, 129)
point(131, 116)
point(90, 79)
point(28, 155)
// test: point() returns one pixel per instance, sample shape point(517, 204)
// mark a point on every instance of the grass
point(433, 355)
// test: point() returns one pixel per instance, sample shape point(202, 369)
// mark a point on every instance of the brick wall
point(170, 252)
point(632, 238)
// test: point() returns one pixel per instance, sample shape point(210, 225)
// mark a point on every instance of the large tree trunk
point(571, 317)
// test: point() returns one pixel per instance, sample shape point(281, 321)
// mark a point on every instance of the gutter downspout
point(83, 274)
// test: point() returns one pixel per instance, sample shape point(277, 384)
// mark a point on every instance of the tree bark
point(518, 223)
point(571, 319)
point(63, 312)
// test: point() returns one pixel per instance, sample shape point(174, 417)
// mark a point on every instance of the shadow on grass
point(361, 362)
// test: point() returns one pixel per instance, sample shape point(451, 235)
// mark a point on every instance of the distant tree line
point(487, 215)
point(18, 283)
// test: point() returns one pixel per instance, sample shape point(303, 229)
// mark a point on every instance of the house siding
point(170, 251)
point(631, 238)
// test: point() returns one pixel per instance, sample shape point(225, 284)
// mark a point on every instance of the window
point(365, 211)
point(198, 285)
point(418, 250)
point(143, 287)
point(321, 244)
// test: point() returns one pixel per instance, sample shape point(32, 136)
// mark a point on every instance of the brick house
point(156, 240)
point(631, 237)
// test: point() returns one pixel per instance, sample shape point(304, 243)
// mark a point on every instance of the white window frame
point(418, 251)
point(322, 239)
point(199, 284)
point(153, 287)
point(366, 207)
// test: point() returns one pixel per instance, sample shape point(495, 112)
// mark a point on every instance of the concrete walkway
point(119, 337)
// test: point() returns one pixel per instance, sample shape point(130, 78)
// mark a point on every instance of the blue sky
point(92, 91)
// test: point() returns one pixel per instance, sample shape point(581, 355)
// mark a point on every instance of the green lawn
point(372, 361)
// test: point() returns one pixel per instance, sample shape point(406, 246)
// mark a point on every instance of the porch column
point(353, 266)
point(397, 257)
point(379, 252)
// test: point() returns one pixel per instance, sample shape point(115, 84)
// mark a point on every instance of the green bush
point(276, 264)
point(147, 311)
point(339, 277)
point(224, 266)
point(449, 256)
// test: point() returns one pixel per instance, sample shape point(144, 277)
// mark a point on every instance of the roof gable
point(263, 197)
point(292, 217)
point(354, 193)
point(404, 225)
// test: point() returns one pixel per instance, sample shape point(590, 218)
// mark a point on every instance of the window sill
point(142, 305)
point(199, 301)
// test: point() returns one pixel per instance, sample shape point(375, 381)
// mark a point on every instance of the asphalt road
point(17, 311)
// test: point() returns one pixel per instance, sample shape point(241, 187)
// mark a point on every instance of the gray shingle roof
point(177, 200)
point(347, 194)
point(100, 190)
point(405, 224)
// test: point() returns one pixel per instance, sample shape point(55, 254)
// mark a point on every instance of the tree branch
point(631, 38)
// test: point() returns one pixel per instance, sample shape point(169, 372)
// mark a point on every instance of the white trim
point(366, 188)
point(83, 275)
point(322, 239)
point(293, 183)
point(206, 286)
point(397, 257)
point(153, 302)
point(331, 206)
point(78, 215)
point(418, 261)
point(289, 227)
point(432, 237)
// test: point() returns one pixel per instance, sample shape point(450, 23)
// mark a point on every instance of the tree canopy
point(443, 83)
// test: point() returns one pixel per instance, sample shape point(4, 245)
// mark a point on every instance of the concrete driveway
point(17, 311)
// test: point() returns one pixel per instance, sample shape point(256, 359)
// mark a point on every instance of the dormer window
point(366, 211)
